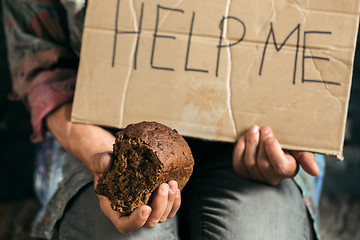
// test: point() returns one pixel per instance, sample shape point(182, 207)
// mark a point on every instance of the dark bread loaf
point(146, 155)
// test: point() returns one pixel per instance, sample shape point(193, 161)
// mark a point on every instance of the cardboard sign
point(211, 69)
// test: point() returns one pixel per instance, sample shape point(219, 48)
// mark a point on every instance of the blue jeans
point(216, 204)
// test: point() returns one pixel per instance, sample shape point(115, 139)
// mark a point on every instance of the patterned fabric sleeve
point(42, 64)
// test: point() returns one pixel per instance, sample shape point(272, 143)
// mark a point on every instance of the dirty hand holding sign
point(258, 156)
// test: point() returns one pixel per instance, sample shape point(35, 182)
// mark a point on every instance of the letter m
point(278, 48)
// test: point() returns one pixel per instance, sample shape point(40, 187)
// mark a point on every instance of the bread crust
point(146, 155)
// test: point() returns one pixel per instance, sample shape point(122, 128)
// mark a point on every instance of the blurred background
point(340, 202)
point(18, 205)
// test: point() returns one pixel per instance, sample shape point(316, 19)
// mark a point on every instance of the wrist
point(81, 140)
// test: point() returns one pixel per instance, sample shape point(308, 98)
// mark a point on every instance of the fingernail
point(265, 131)
point(146, 213)
point(254, 129)
point(173, 187)
point(104, 163)
point(164, 189)
point(177, 193)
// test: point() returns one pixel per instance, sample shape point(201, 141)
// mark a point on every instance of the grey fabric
point(216, 204)
point(84, 220)
point(228, 207)
point(60, 188)
point(220, 205)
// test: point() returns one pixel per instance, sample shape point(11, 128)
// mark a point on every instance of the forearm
point(82, 141)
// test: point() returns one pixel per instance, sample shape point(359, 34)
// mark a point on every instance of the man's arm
point(43, 69)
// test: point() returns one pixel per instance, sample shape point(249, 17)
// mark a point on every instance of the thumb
point(101, 162)
point(307, 162)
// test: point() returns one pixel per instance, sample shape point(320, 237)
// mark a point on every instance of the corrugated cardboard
point(211, 69)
